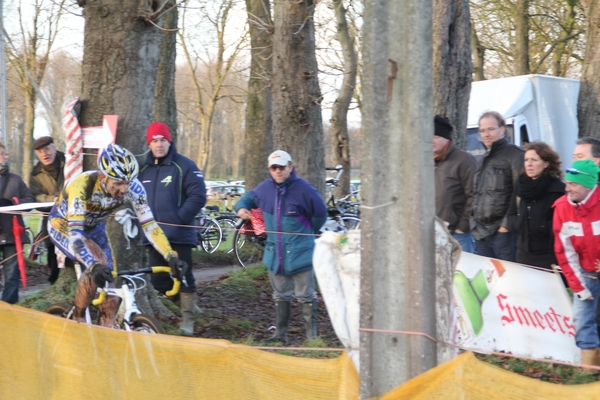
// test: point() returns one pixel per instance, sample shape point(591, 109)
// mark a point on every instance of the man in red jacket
point(576, 227)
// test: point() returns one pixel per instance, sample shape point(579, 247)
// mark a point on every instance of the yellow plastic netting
point(46, 357)
point(467, 378)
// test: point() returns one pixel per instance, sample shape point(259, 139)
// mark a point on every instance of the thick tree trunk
point(478, 56)
point(339, 113)
point(120, 64)
point(165, 106)
point(27, 164)
point(297, 123)
point(588, 106)
point(452, 66)
point(259, 134)
point(522, 37)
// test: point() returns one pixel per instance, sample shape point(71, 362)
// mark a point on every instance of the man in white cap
point(294, 211)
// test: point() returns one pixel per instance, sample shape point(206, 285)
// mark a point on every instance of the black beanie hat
point(442, 127)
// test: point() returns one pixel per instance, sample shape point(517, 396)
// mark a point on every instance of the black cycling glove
point(101, 274)
point(178, 268)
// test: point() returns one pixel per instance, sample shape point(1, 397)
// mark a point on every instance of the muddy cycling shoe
point(101, 274)
point(178, 268)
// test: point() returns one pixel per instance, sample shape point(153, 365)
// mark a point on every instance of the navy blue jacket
point(295, 206)
point(176, 193)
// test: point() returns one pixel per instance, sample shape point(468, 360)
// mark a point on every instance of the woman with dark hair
point(538, 187)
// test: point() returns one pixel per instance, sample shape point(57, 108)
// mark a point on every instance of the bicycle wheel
point(351, 222)
point(211, 235)
point(145, 323)
point(248, 248)
point(227, 227)
point(59, 309)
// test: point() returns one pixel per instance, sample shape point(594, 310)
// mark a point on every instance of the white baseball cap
point(279, 157)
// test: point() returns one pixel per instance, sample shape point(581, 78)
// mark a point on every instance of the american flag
point(74, 141)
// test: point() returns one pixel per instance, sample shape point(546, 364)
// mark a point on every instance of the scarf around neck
point(532, 189)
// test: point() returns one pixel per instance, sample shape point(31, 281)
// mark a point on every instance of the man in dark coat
point(47, 180)
point(495, 203)
point(11, 185)
point(454, 170)
point(176, 194)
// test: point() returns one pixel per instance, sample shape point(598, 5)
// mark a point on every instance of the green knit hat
point(583, 172)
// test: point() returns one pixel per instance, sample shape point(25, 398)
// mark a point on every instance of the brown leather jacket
point(454, 188)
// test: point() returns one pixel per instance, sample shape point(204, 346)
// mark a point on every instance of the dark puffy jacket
point(11, 185)
point(454, 188)
point(176, 193)
point(295, 206)
point(43, 185)
point(536, 240)
point(495, 201)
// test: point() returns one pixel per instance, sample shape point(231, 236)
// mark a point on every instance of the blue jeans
point(12, 276)
point(466, 241)
point(584, 315)
point(500, 245)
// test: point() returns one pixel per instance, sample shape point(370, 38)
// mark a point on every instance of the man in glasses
point(576, 227)
point(294, 211)
point(494, 204)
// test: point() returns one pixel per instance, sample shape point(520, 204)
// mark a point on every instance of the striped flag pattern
point(73, 154)
point(74, 142)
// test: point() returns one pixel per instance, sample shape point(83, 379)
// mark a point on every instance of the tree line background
point(219, 48)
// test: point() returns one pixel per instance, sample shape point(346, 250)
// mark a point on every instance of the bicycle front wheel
point(59, 309)
point(248, 249)
point(211, 235)
point(145, 323)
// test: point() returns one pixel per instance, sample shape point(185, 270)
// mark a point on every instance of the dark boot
point(309, 312)
point(282, 314)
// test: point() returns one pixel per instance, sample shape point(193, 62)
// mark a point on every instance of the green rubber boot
point(189, 311)
point(282, 313)
point(309, 312)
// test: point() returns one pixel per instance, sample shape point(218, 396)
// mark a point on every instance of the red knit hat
point(158, 130)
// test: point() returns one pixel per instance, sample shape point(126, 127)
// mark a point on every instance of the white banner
point(504, 306)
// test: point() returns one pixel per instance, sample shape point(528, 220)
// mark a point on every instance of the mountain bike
point(128, 316)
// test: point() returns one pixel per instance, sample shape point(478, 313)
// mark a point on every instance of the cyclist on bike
point(77, 224)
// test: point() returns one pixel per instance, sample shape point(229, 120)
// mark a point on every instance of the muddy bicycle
point(128, 316)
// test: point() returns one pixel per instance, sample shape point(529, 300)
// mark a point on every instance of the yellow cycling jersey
point(84, 203)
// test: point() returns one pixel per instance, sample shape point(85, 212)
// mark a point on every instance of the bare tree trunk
point(165, 106)
point(339, 114)
point(559, 51)
point(478, 56)
point(588, 106)
point(297, 121)
point(27, 165)
point(452, 66)
point(522, 37)
point(259, 134)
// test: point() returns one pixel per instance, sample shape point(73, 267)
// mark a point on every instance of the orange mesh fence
point(467, 378)
point(46, 357)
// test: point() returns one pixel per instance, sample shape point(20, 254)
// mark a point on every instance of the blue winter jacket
point(176, 193)
point(294, 206)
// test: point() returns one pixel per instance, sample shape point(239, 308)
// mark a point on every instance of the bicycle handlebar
point(150, 270)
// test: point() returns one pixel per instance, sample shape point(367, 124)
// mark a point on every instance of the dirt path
point(201, 275)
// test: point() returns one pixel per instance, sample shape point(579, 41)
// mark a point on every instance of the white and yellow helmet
point(117, 163)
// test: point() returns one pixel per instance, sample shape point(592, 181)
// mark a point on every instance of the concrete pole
point(397, 173)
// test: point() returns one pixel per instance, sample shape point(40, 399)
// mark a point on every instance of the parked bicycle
point(342, 215)
point(248, 247)
point(209, 232)
point(128, 316)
